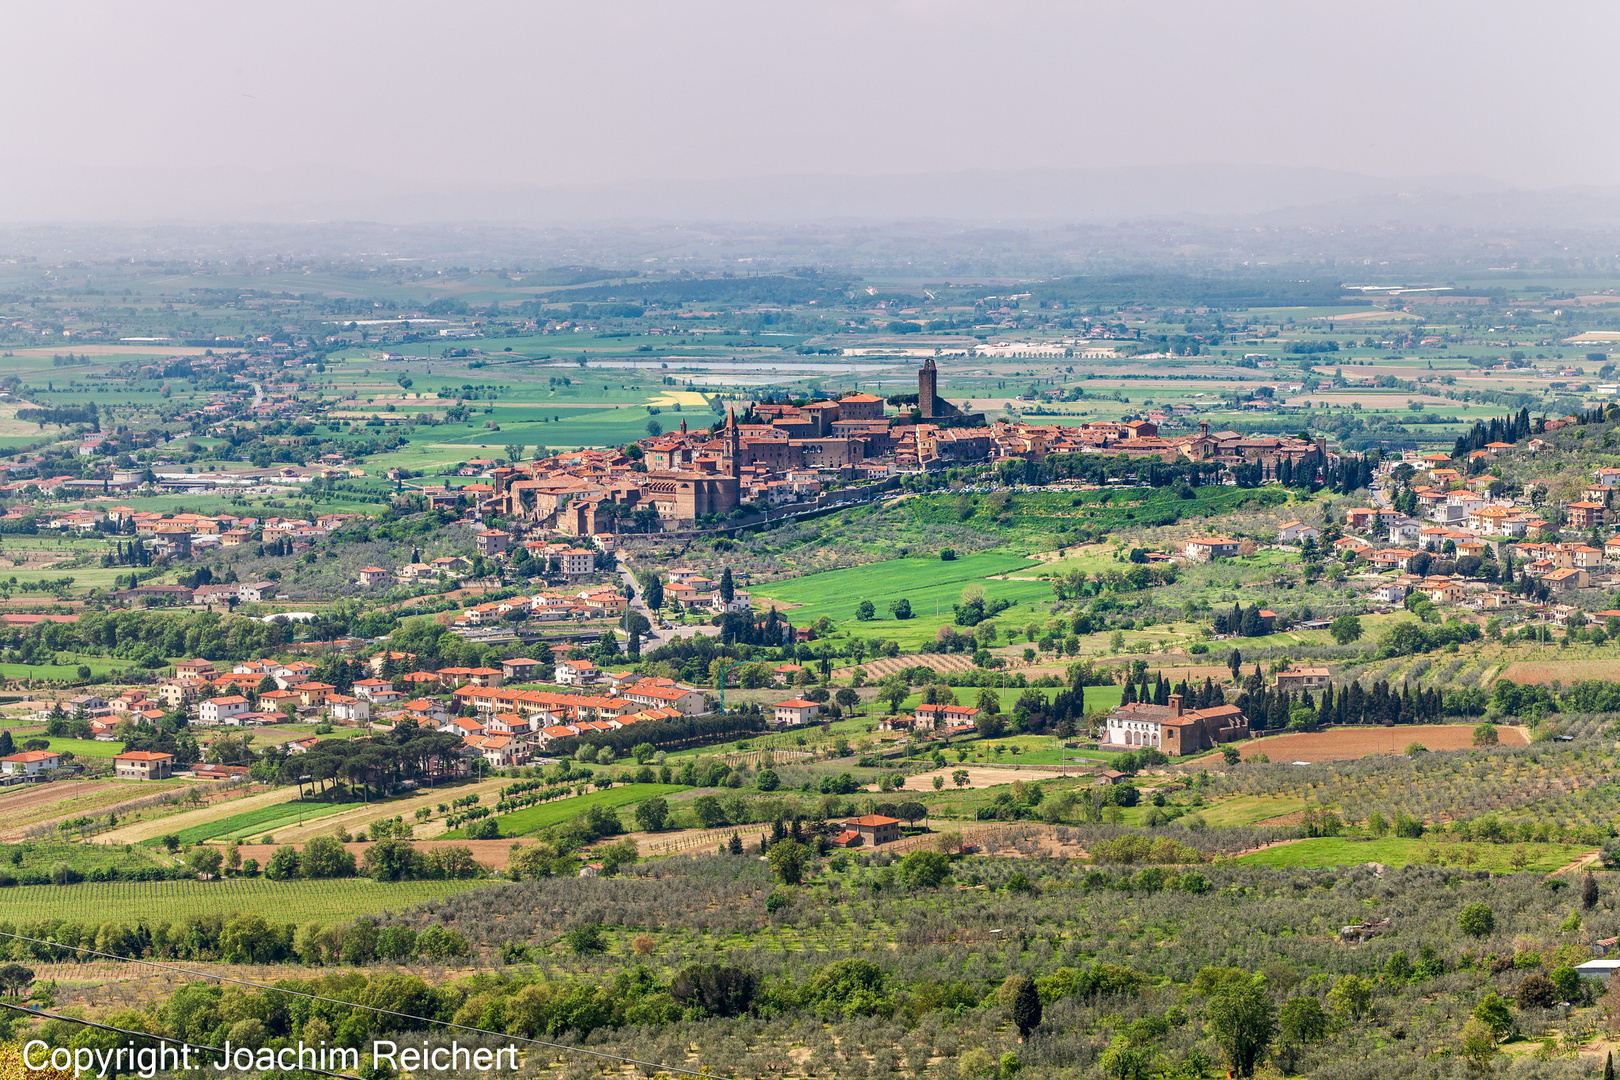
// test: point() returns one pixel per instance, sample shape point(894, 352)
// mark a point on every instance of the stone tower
point(734, 442)
point(927, 380)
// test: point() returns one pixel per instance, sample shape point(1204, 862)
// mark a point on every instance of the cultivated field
point(1343, 744)
point(1393, 852)
point(980, 777)
point(532, 819)
point(284, 901)
point(1565, 672)
point(883, 667)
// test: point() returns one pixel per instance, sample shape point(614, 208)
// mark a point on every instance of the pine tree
point(1589, 899)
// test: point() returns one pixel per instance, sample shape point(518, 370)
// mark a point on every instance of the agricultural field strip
point(300, 901)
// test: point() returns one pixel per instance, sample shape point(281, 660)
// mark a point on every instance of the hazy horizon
point(186, 112)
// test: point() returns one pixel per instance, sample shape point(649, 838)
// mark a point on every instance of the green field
point(1250, 809)
point(43, 855)
point(83, 748)
point(255, 823)
point(534, 818)
point(1394, 852)
point(172, 901)
point(932, 586)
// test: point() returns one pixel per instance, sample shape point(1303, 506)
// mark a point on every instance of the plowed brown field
point(1342, 744)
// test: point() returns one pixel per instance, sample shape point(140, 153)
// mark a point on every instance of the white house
point(796, 711)
point(29, 763)
point(352, 710)
point(1294, 532)
point(575, 673)
point(222, 710)
point(253, 592)
point(1392, 593)
point(1404, 530)
point(370, 688)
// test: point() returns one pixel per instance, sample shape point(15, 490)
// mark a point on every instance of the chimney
point(1175, 704)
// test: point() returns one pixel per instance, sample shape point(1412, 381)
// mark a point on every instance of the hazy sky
point(574, 93)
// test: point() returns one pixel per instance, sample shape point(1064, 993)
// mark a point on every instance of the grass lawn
point(544, 815)
point(1395, 852)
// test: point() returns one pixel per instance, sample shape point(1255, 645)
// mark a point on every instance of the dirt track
point(1344, 744)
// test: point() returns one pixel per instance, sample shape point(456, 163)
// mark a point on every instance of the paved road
point(661, 636)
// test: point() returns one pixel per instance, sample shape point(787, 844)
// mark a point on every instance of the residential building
point(30, 763)
point(1205, 548)
point(1585, 515)
point(935, 717)
point(1307, 678)
point(796, 711)
point(193, 670)
point(313, 694)
point(143, 765)
point(370, 688)
point(1570, 578)
point(1293, 532)
point(663, 693)
point(1392, 593)
point(574, 673)
point(577, 562)
point(222, 710)
point(874, 829)
point(348, 710)
point(372, 575)
point(521, 669)
point(493, 541)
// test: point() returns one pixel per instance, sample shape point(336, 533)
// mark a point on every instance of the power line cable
point(369, 1008)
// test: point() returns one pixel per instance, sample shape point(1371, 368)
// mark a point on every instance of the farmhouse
point(1173, 729)
point(934, 717)
point(873, 829)
point(1305, 678)
point(1205, 548)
